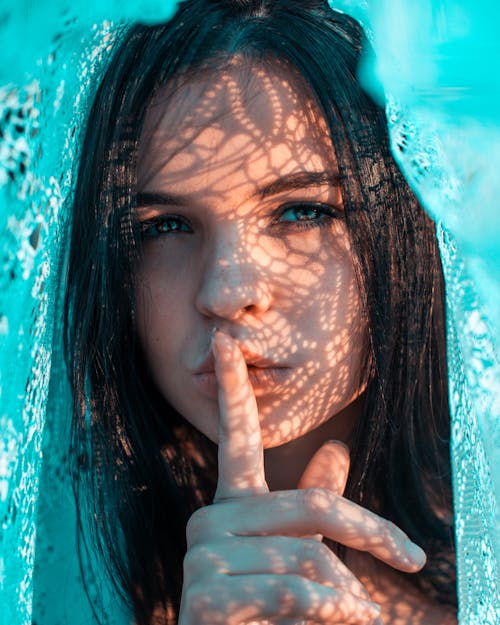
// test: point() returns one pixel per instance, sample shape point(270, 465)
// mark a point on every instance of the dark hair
point(135, 459)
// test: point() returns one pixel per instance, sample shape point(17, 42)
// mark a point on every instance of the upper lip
point(252, 360)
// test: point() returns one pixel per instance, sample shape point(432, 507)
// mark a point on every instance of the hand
point(249, 557)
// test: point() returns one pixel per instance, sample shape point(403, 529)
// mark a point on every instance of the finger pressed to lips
point(247, 506)
point(241, 453)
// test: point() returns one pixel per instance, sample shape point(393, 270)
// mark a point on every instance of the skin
point(255, 556)
point(284, 289)
point(280, 287)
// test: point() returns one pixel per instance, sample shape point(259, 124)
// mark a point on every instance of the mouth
point(264, 380)
point(264, 375)
point(252, 360)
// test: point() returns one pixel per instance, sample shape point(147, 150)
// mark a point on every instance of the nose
point(233, 282)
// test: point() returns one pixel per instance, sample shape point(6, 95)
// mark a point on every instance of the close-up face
point(243, 229)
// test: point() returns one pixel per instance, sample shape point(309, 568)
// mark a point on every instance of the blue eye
point(307, 214)
point(171, 224)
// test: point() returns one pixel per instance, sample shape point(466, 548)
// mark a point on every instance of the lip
point(251, 358)
point(264, 374)
point(264, 380)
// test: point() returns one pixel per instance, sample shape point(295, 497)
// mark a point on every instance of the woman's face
point(243, 230)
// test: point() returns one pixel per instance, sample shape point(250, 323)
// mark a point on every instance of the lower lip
point(262, 380)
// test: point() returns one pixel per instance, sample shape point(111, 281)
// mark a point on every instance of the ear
point(328, 468)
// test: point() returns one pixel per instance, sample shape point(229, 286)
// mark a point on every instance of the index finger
point(241, 453)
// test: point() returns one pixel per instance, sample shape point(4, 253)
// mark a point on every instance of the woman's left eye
point(307, 214)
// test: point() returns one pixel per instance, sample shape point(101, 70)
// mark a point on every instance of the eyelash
point(325, 213)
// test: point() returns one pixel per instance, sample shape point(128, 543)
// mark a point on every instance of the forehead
point(241, 126)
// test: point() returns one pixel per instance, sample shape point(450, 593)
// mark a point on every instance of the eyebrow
point(148, 198)
point(298, 180)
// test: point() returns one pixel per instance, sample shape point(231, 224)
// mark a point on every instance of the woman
point(249, 272)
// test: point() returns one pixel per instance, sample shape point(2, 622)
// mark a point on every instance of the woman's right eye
point(171, 224)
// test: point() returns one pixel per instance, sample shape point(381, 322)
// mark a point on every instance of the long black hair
point(140, 466)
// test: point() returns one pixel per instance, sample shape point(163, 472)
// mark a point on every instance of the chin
point(284, 432)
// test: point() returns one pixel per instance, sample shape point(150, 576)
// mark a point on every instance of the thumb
point(328, 468)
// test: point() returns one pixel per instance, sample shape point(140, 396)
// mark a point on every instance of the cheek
point(160, 316)
point(333, 301)
point(342, 323)
point(343, 318)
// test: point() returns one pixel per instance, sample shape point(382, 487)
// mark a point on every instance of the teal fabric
point(437, 61)
point(51, 56)
point(445, 129)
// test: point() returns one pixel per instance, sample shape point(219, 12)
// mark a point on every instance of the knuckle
point(198, 524)
point(291, 595)
point(315, 500)
point(389, 530)
point(197, 599)
point(317, 562)
point(194, 560)
point(312, 555)
point(209, 601)
point(207, 560)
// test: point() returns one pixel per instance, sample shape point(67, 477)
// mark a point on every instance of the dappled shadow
point(229, 154)
point(243, 230)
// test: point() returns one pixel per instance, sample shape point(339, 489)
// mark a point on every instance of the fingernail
point(213, 343)
point(221, 346)
point(415, 553)
point(341, 443)
point(212, 337)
